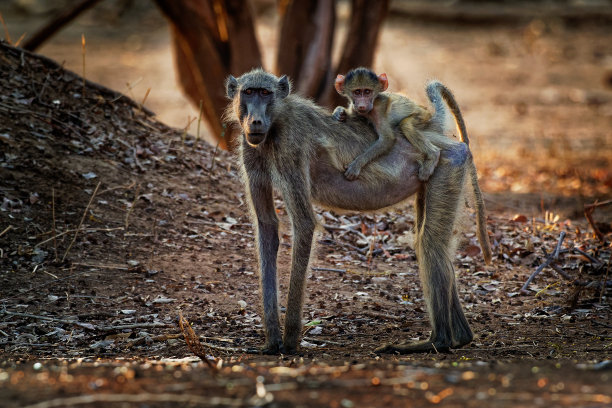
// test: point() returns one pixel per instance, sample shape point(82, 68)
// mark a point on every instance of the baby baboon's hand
point(339, 114)
point(352, 171)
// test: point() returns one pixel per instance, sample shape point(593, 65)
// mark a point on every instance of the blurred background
point(533, 79)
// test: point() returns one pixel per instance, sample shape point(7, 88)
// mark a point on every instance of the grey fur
point(302, 154)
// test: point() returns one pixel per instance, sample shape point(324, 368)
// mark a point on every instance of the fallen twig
point(588, 213)
point(74, 230)
point(81, 223)
point(561, 272)
point(134, 326)
point(605, 282)
point(86, 326)
point(317, 269)
point(590, 258)
point(101, 266)
point(232, 350)
point(323, 341)
point(141, 398)
point(54, 232)
point(193, 342)
point(551, 258)
point(131, 207)
point(7, 229)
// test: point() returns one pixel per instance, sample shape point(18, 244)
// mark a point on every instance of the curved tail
point(438, 94)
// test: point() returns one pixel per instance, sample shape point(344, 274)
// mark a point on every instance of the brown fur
point(385, 110)
point(290, 144)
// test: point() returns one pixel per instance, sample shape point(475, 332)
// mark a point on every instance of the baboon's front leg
point(299, 208)
point(437, 205)
point(265, 223)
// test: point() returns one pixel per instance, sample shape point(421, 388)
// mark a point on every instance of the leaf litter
point(166, 241)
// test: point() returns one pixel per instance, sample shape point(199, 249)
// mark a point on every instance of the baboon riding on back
point(296, 147)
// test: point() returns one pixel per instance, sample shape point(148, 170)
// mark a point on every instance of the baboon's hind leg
point(437, 206)
point(431, 153)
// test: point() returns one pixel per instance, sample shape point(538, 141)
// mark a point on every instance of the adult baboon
point(291, 144)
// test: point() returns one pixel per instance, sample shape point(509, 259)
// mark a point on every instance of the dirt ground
point(112, 224)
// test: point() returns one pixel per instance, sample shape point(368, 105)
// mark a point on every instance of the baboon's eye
point(357, 92)
point(265, 92)
point(367, 91)
point(248, 91)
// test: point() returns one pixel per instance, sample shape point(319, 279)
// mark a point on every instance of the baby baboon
point(291, 144)
point(385, 110)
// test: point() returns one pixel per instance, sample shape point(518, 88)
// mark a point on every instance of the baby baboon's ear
point(283, 88)
point(383, 81)
point(231, 86)
point(339, 84)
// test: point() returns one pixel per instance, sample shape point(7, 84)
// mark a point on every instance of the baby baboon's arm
point(384, 143)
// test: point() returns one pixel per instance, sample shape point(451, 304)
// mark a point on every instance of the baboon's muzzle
point(254, 139)
point(256, 124)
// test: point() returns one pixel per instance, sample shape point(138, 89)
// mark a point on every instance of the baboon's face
point(363, 100)
point(255, 95)
point(255, 118)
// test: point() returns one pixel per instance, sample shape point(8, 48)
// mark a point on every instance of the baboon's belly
point(330, 188)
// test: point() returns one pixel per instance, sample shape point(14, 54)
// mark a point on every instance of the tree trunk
point(305, 46)
point(212, 38)
point(360, 45)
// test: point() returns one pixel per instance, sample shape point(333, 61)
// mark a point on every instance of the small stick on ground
point(131, 207)
point(212, 160)
point(83, 52)
point(53, 213)
point(73, 230)
point(146, 96)
point(7, 229)
point(589, 257)
point(317, 269)
point(7, 36)
point(193, 342)
point(605, 282)
point(86, 326)
point(140, 399)
point(81, 223)
point(588, 213)
point(551, 258)
point(134, 326)
point(195, 144)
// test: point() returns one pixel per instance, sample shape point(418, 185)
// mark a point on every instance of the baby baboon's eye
point(367, 91)
point(357, 92)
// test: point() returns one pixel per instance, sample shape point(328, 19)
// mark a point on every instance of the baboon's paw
point(269, 349)
point(288, 350)
point(352, 172)
point(462, 342)
point(428, 166)
point(340, 117)
point(426, 170)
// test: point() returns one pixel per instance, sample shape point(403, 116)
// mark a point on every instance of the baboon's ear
point(339, 84)
point(384, 82)
point(283, 87)
point(231, 86)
